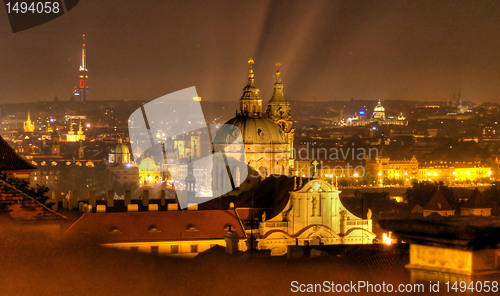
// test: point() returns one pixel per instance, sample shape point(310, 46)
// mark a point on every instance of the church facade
point(314, 215)
point(29, 126)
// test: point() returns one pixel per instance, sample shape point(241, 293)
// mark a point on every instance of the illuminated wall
point(177, 248)
point(149, 173)
point(452, 174)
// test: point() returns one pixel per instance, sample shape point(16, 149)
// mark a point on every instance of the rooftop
point(155, 226)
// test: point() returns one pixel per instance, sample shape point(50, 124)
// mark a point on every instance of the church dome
point(253, 131)
point(379, 107)
point(120, 148)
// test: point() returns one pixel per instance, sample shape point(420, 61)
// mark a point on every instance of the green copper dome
point(120, 148)
point(253, 131)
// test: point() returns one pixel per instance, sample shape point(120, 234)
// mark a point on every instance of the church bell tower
point(251, 102)
point(278, 110)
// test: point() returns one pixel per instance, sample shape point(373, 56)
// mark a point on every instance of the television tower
point(83, 75)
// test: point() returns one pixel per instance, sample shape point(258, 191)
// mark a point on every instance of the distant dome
point(253, 131)
point(120, 148)
point(379, 107)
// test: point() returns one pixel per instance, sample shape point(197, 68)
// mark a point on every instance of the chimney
point(92, 198)
point(81, 207)
point(145, 197)
point(65, 202)
point(127, 197)
point(73, 199)
point(162, 198)
point(110, 202)
point(232, 239)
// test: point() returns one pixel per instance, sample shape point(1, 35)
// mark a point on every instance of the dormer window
point(191, 227)
point(114, 230)
point(153, 228)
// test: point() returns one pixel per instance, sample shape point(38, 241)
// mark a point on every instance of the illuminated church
point(29, 126)
point(79, 136)
point(378, 117)
point(379, 111)
point(313, 215)
point(121, 164)
point(267, 137)
point(269, 214)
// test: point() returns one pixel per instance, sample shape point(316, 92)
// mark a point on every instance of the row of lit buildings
point(385, 171)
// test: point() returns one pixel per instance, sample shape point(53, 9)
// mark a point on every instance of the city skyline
point(331, 50)
point(203, 147)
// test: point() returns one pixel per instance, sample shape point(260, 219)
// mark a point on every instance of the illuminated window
point(153, 228)
point(114, 230)
point(191, 227)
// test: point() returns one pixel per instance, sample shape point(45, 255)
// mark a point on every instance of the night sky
point(409, 50)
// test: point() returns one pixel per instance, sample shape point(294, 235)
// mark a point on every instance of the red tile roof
point(155, 226)
point(10, 160)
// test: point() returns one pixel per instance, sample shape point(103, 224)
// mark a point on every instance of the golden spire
point(250, 71)
point(278, 73)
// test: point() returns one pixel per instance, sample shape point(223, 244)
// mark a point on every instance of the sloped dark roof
point(272, 194)
point(22, 206)
point(155, 226)
point(475, 201)
point(463, 232)
point(438, 203)
point(10, 160)
point(218, 252)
